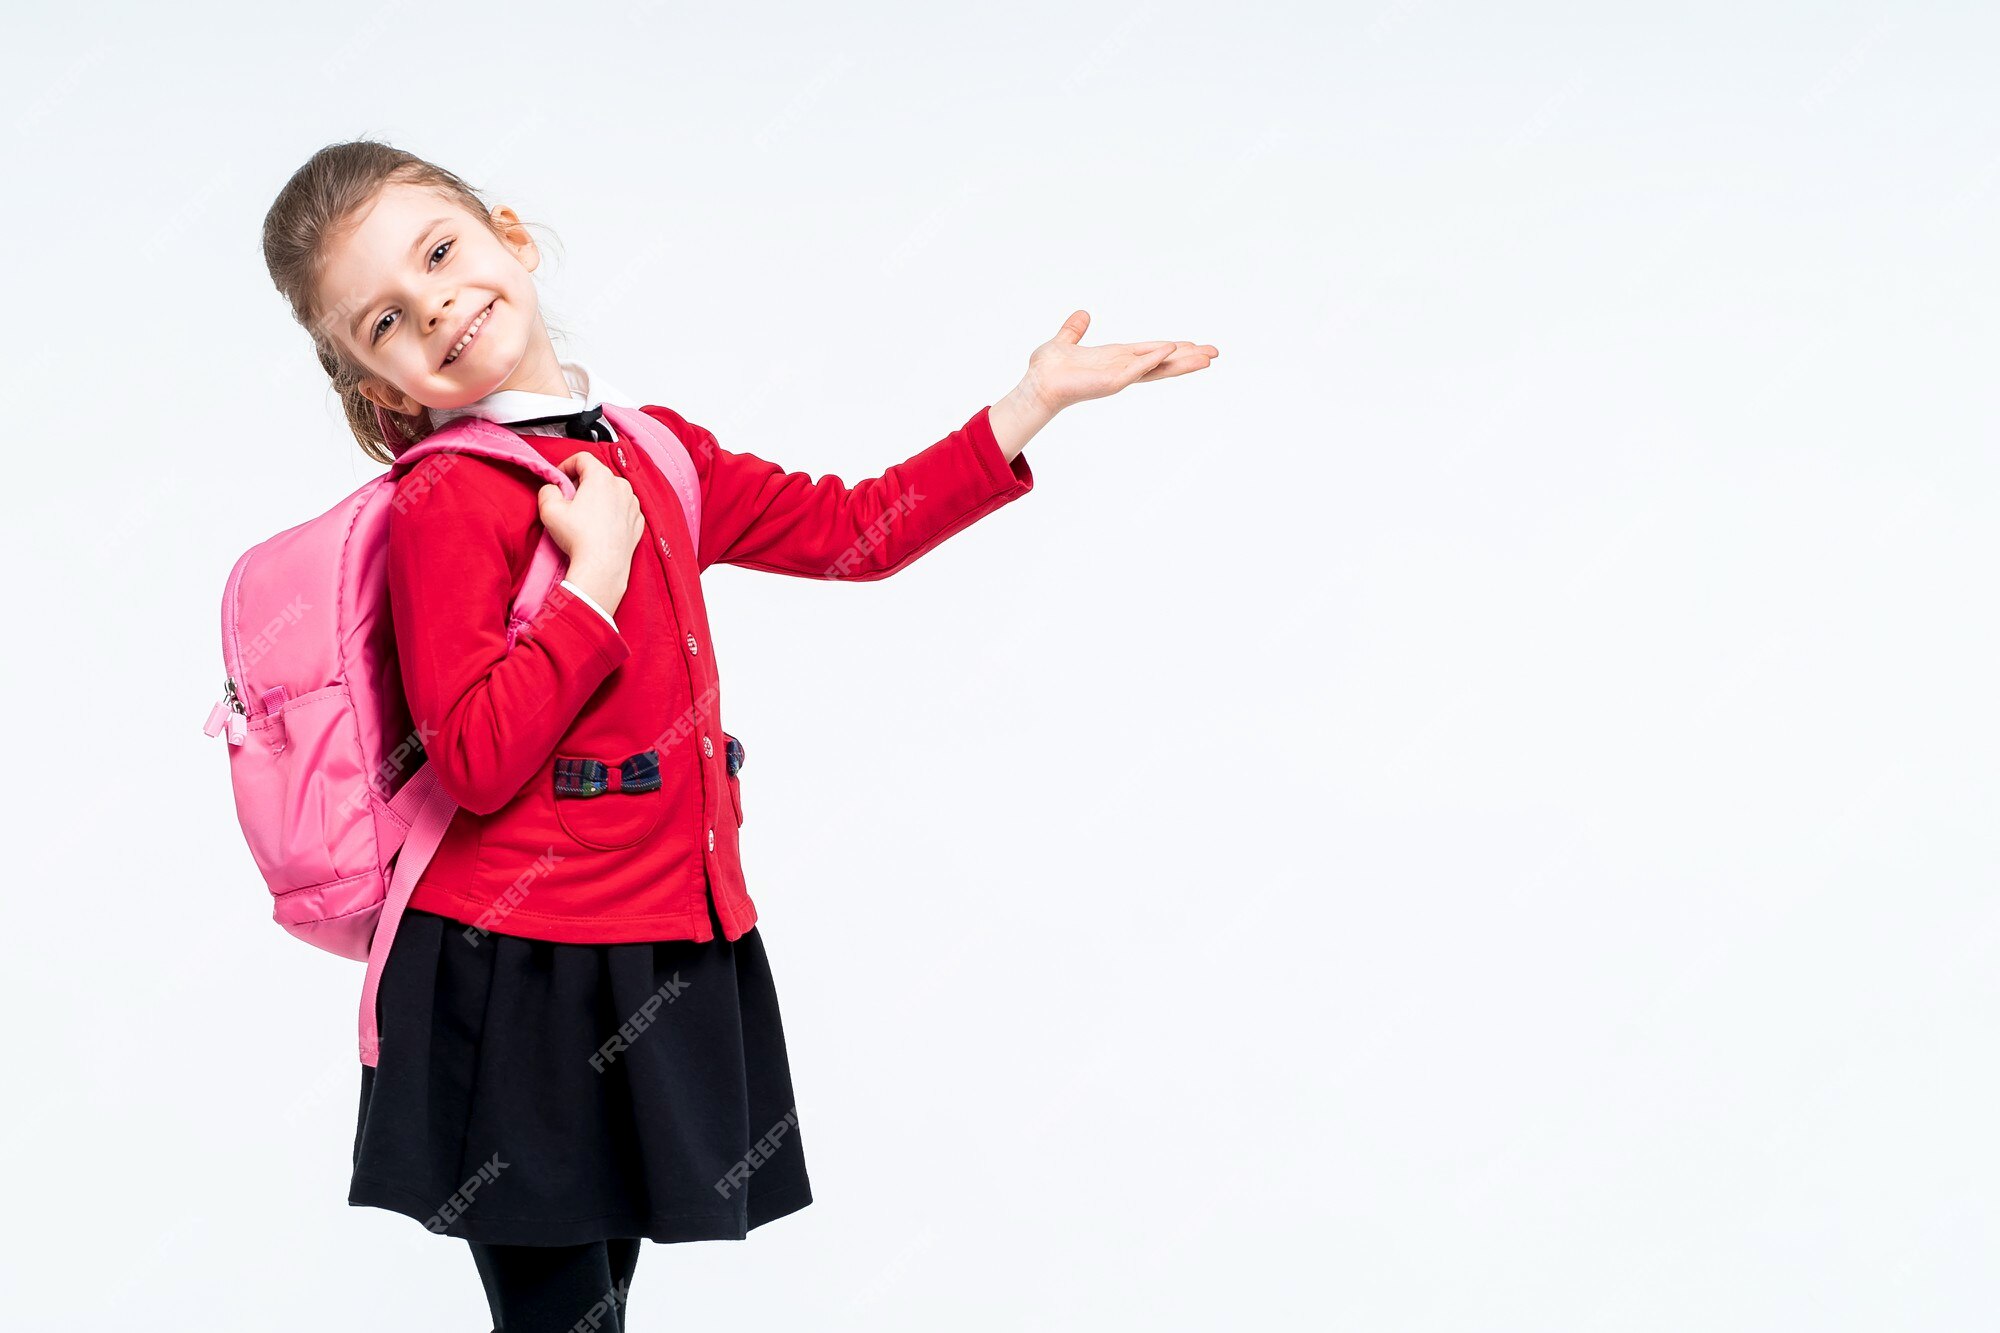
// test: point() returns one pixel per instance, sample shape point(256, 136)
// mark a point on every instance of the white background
point(1474, 812)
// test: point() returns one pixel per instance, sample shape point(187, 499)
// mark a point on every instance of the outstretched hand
point(1062, 371)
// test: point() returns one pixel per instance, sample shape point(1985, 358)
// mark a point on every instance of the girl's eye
point(375, 334)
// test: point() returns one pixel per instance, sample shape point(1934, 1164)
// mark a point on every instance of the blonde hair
point(319, 203)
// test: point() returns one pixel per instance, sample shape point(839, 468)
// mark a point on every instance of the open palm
point(1063, 371)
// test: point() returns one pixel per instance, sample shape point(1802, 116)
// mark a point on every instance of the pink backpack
point(340, 809)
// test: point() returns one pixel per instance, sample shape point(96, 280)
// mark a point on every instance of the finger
point(1143, 366)
point(1178, 364)
point(1073, 327)
point(1187, 352)
point(1183, 355)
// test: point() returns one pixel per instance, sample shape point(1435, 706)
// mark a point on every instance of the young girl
point(580, 1039)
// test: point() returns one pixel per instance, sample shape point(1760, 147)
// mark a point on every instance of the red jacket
point(623, 865)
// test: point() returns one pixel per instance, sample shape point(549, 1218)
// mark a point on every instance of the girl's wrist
point(1017, 416)
point(604, 584)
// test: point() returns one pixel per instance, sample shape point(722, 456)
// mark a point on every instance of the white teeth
point(469, 334)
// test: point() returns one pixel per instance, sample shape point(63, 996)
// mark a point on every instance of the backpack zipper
point(228, 713)
point(231, 712)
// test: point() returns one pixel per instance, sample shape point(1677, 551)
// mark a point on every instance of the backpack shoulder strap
point(428, 812)
point(669, 455)
point(483, 439)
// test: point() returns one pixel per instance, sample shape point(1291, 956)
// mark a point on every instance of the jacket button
point(707, 748)
point(691, 645)
point(711, 840)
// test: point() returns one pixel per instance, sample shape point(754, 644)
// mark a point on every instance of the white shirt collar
point(507, 405)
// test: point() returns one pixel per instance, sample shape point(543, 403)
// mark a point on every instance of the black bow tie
point(585, 425)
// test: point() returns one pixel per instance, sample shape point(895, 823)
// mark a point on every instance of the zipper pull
point(228, 712)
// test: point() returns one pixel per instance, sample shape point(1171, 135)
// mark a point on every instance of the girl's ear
point(514, 235)
point(386, 395)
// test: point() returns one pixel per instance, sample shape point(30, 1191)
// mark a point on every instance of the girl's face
point(411, 277)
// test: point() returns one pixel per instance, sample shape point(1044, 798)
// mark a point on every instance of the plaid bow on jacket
point(594, 777)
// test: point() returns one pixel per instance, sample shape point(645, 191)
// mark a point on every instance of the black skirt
point(535, 1093)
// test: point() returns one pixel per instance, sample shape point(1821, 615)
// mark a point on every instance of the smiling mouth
point(471, 332)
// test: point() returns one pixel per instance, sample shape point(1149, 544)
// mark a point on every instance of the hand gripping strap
point(429, 811)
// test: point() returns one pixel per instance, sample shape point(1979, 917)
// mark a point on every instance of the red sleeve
point(459, 543)
point(756, 514)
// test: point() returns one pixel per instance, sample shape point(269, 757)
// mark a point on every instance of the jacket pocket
point(608, 802)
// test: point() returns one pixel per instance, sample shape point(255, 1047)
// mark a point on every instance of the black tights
point(557, 1288)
